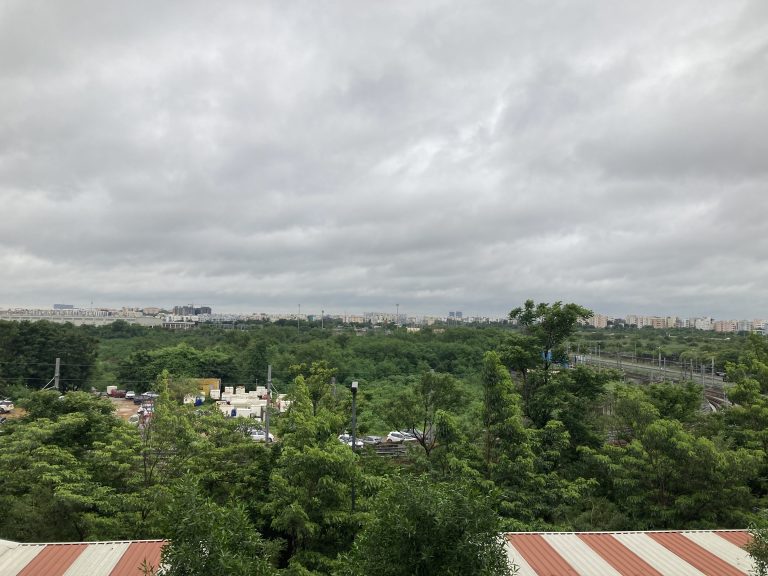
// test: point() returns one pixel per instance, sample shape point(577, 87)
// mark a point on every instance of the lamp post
point(354, 422)
point(269, 401)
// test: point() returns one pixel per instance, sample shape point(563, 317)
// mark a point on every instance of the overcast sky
point(443, 155)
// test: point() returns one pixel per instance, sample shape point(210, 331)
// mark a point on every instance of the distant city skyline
point(202, 309)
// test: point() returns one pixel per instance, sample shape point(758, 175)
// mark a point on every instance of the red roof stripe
point(619, 556)
point(741, 539)
point(694, 554)
point(514, 557)
point(135, 556)
point(53, 560)
point(538, 553)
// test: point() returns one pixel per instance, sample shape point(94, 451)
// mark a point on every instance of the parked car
point(372, 440)
point(398, 437)
point(346, 438)
point(130, 395)
point(261, 435)
point(5, 406)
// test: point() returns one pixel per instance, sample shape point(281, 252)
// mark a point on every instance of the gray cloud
point(252, 156)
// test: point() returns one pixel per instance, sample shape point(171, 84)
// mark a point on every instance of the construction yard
point(124, 409)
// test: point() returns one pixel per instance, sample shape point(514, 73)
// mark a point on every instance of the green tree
point(758, 546)
point(520, 353)
point(665, 478)
point(318, 381)
point(417, 407)
point(548, 326)
point(504, 436)
point(182, 360)
point(205, 538)
point(28, 352)
point(311, 485)
point(418, 527)
point(56, 485)
point(677, 401)
point(574, 397)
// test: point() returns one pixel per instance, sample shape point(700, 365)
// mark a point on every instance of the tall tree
point(504, 436)
point(206, 538)
point(311, 485)
point(417, 408)
point(418, 527)
point(549, 325)
point(317, 379)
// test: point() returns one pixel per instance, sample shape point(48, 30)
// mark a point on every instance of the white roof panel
point(98, 559)
point(662, 559)
point(17, 558)
point(579, 555)
point(720, 547)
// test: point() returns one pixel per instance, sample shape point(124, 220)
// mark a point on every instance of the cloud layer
point(350, 156)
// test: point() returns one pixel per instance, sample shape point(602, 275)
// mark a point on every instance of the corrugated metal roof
point(663, 553)
point(669, 553)
point(79, 559)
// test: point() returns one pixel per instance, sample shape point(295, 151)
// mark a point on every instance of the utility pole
point(322, 319)
point(397, 315)
point(354, 422)
point(56, 374)
point(298, 320)
point(269, 401)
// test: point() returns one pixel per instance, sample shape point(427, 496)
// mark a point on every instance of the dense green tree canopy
point(419, 527)
point(512, 439)
point(28, 352)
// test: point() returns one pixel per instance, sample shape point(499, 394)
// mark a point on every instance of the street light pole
point(269, 401)
point(354, 422)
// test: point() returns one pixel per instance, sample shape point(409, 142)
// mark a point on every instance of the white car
point(5, 406)
point(261, 436)
point(398, 437)
point(130, 395)
point(347, 439)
